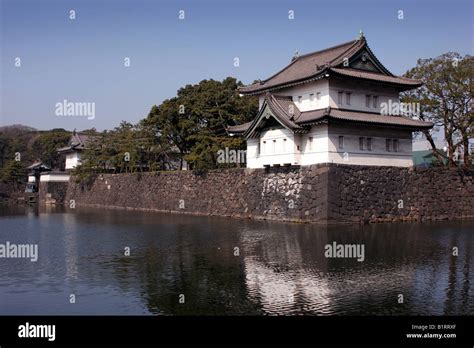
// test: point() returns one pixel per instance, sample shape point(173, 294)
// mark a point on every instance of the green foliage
point(195, 121)
point(14, 174)
point(32, 145)
point(16, 139)
point(126, 149)
point(45, 147)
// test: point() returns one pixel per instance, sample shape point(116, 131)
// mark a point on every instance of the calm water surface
point(281, 268)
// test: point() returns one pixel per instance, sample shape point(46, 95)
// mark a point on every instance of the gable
point(365, 60)
point(269, 116)
point(363, 63)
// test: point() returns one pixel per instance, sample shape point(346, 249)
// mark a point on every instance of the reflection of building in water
point(288, 291)
point(70, 245)
point(276, 271)
point(287, 272)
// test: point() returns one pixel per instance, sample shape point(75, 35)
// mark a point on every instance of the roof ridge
point(327, 49)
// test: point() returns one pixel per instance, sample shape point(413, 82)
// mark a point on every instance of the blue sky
point(82, 60)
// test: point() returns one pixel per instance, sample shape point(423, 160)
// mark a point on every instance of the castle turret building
point(337, 105)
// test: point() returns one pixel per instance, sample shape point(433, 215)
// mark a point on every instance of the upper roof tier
point(352, 60)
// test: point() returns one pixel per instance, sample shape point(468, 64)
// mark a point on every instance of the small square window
point(367, 101)
point(361, 143)
point(376, 101)
point(341, 142)
point(348, 98)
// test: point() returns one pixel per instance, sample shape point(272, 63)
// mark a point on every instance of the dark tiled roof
point(239, 128)
point(78, 141)
point(364, 117)
point(376, 77)
point(314, 65)
point(290, 116)
point(284, 108)
point(38, 166)
point(305, 66)
point(286, 103)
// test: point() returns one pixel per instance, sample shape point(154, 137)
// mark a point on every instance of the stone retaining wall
point(384, 194)
point(321, 193)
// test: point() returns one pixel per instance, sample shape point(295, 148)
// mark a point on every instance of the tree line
point(189, 128)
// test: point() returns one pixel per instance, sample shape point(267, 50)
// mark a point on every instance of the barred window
point(369, 144)
point(395, 145)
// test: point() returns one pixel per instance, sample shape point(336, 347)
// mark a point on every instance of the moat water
point(187, 265)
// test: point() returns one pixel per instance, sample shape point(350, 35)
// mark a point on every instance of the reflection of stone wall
point(52, 192)
point(318, 193)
